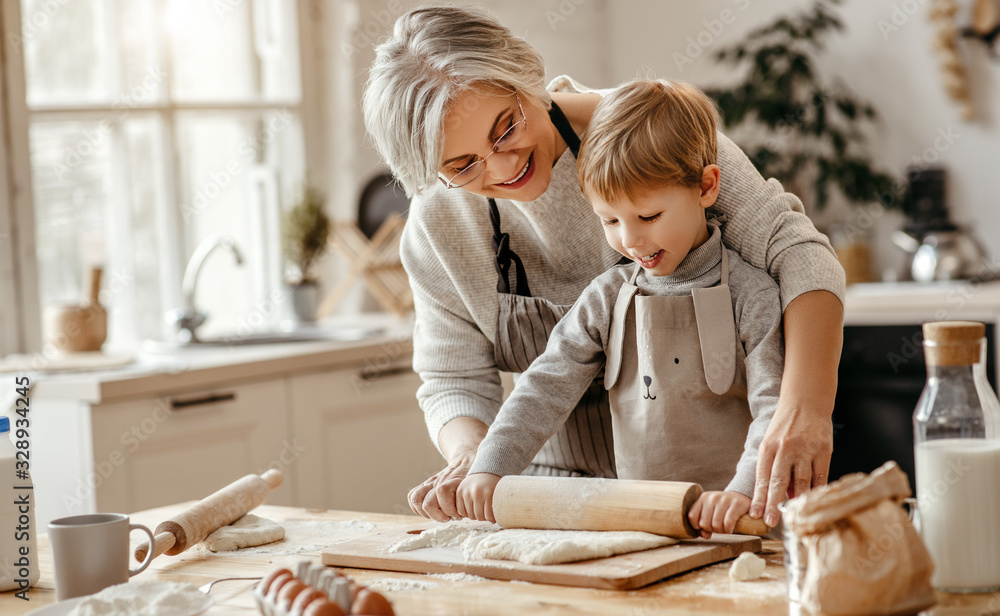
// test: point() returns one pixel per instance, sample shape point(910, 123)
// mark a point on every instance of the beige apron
point(677, 385)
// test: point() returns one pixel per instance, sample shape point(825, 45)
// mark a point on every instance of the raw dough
point(138, 598)
point(247, 532)
point(531, 547)
point(550, 547)
point(748, 566)
point(444, 535)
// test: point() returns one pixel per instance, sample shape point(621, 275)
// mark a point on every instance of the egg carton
point(315, 590)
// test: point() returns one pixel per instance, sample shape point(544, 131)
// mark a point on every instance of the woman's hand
point(475, 497)
point(795, 453)
point(794, 457)
point(717, 512)
point(435, 497)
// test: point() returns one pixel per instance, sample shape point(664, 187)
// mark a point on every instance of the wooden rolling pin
point(210, 514)
point(571, 503)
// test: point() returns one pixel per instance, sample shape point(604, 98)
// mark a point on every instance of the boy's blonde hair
point(647, 134)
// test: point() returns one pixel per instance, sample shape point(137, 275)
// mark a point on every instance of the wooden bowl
point(75, 328)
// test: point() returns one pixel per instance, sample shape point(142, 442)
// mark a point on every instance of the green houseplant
point(305, 231)
point(806, 131)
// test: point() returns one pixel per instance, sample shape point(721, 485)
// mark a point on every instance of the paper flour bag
point(852, 549)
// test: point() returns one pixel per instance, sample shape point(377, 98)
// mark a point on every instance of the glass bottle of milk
point(957, 439)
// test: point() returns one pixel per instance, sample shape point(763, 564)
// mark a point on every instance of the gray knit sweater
point(446, 250)
point(578, 346)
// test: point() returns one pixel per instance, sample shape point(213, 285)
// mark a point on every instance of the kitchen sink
point(338, 333)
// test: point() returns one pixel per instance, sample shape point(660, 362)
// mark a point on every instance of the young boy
point(688, 336)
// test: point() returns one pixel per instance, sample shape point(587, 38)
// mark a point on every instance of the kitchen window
point(154, 125)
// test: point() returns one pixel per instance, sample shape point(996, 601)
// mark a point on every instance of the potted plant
point(305, 231)
point(806, 131)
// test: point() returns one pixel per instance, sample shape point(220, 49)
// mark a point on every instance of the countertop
point(913, 302)
point(159, 373)
point(704, 591)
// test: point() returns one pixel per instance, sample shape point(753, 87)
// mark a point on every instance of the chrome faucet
point(187, 319)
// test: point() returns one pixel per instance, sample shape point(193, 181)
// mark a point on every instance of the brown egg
point(265, 583)
point(277, 584)
point(290, 590)
point(371, 603)
point(322, 607)
point(306, 597)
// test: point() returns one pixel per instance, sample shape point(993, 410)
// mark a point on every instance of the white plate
point(65, 607)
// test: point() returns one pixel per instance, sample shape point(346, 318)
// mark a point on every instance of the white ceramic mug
point(91, 552)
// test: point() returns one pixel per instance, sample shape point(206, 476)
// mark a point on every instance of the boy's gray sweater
point(576, 352)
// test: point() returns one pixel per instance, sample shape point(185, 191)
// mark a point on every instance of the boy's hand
point(475, 496)
point(717, 512)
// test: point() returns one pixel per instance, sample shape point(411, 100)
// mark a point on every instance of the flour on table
point(531, 547)
point(711, 581)
point(356, 524)
point(461, 577)
point(144, 599)
point(247, 532)
point(399, 584)
point(434, 580)
point(306, 537)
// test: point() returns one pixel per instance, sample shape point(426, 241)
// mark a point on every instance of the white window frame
point(20, 310)
point(20, 306)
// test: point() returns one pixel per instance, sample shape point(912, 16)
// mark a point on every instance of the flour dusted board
point(622, 572)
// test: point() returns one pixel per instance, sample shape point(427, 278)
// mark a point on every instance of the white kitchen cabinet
point(340, 419)
point(141, 453)
point(364, 438)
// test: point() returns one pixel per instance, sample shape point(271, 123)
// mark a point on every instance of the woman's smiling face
point(521, 171)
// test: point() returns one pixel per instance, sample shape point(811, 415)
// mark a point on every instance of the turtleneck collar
point(696, 264)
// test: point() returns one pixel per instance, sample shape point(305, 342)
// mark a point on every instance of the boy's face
point(659, 227)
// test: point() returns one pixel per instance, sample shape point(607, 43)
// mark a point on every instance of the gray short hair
point(434, 55)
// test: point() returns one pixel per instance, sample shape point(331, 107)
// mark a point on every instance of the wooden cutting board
point(622, 572)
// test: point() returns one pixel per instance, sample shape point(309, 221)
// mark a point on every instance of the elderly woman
point(500, 241)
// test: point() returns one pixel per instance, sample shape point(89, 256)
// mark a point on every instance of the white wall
point(892, 66)
point(884, 56)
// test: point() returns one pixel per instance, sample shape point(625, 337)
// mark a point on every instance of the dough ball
point(748, 566)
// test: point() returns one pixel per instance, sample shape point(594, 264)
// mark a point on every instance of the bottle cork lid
point(952, 343)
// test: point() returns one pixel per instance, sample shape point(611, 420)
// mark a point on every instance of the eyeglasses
point(506, 141)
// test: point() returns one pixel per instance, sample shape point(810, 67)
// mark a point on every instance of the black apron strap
point(503, 255)
point(565, 129)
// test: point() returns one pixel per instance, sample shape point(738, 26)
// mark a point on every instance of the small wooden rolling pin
point(570, 503)
point(210, 514)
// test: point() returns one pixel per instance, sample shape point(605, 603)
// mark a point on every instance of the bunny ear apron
point(583, 445)
point(677, 385)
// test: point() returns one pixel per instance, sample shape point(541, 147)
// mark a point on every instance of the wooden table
point(704, 591)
